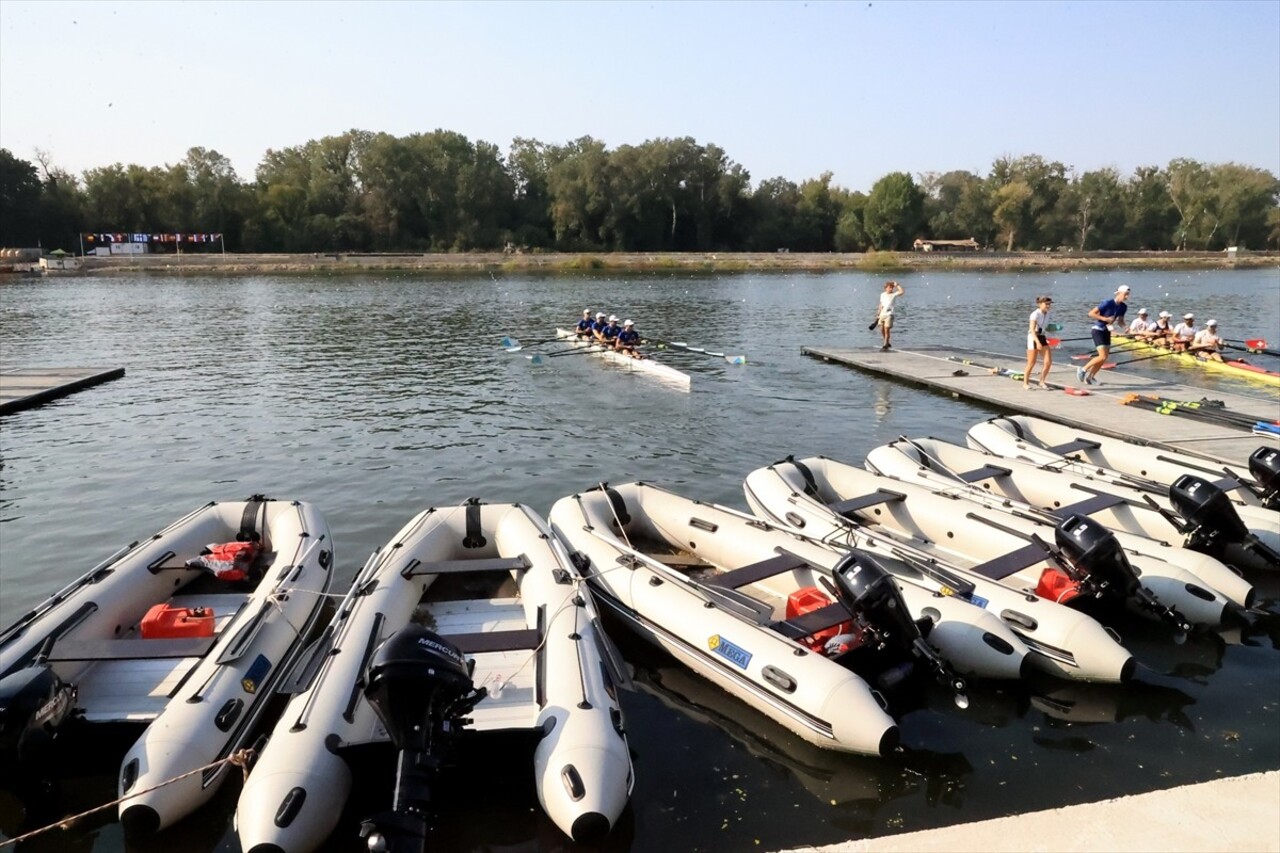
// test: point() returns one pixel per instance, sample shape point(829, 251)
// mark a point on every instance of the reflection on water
point(374, 397)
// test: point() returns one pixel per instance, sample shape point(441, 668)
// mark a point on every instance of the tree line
point(441, 192)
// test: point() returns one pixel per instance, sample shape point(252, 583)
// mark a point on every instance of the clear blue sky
point(786, 88)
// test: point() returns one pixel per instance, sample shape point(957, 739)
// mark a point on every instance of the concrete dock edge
point(1241, 813)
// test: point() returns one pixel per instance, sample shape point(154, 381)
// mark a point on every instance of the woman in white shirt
point(1038, 344)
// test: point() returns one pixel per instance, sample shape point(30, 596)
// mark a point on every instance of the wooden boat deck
point(26, 387)
point(943, 369)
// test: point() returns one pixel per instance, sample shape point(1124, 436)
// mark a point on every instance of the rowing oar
point(513, 345)
point(1165, 352)
point(1258, 347)
point(537, 358)
point(681, 345)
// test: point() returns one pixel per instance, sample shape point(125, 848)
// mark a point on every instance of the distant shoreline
point(728, 262)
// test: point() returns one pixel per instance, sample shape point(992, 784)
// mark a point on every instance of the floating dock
point(27, 387)
point(967, 373)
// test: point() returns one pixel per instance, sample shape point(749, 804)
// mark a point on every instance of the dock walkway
point(26, 387)
point(965, 373)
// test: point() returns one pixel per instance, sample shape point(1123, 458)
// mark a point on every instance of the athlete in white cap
point(1184, 333)
point(1141, 327)
point(609, 334)
point(628, 340)
point(1109, 312)
point(1207, 343)
point(583, 329)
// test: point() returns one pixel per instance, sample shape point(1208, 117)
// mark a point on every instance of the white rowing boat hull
point(636, 365)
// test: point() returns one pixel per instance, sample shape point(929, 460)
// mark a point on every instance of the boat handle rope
point(241, 758)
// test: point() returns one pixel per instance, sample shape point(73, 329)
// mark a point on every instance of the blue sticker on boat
point(977, 601)
point(736, 655)
point(253, 677)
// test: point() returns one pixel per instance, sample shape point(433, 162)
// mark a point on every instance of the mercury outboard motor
point(34, 702)
point(866, 588)
point(1264, 465)
point(1097, 562)
point(420, 687)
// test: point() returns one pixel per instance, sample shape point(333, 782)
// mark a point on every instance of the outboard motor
point(1264, 465)
point(869, 592)
point(34, 702)
point(420, 687)
point(1212, 521)
point(1097, 562)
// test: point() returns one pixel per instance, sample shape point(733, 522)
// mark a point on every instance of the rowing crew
point(607, 333)
point(1182, 337)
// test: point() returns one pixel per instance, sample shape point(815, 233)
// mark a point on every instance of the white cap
point(586, 311)
point(628, 323)
point(613, 319)
point(1212, 323)
point(1188, 316)
point(1124, 288)
point(1165, 314)
point(600, 315)
point(1142, 311)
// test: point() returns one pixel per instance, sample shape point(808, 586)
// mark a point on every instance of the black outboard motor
point(1097, 562)
point(1264, 465)
point(872, 596)
point(34, 702)
point(420, 687)
point(1212, 520)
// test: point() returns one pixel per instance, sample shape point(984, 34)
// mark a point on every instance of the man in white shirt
point(884, 317)
point(1141, 327)
point(1207, 344)
point(1184, 333)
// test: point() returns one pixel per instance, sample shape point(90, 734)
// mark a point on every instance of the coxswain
point(628, 340)
point(583, 329)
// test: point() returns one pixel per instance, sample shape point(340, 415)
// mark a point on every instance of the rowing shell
point(638, 365)
point(1251, 372)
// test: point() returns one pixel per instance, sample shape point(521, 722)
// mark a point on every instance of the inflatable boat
point(187, 633)
point(499, 597)
point(1085, 453)
point(1214, 531)
point(953, 545)
point(797, 631)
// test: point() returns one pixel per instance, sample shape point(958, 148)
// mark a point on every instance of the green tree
point(1150, 216)
point(851, 233)
point(1095, 203)
point(957, 206)
point(1244, 196)
point(20, 199)
point(894, 215)
point(1012, 201)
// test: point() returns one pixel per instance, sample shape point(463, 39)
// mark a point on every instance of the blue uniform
point(599, 326)
point(584, 326)
point(611, 331)
point(1098, 331)
point(628, 337)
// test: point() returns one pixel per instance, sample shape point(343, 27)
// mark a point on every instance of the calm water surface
point(377, 397)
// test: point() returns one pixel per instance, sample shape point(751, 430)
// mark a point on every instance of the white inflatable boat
point(1054, 497)
point(493, 584)
point(744, 604)
point(1085, 453)
point(949, 543)
point(188, 644)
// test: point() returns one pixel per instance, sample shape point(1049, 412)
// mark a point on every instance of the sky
point(787, 89)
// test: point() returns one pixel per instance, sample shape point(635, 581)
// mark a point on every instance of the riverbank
point(635, 262)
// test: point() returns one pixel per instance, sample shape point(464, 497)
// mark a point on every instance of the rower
point(628, 340)
point(583, 329)
point(1141, 327)
point(1162, 332)
point(1184, 333)
point(598, 326)
point(1207, 343)
point(609, 334)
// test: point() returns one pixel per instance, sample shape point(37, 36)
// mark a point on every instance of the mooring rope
point(240, 758)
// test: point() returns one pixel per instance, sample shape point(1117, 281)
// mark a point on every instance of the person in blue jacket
point(1109, 312)
point(583, 328)
point(597, 328)
point(609, 334)
point(629, 340)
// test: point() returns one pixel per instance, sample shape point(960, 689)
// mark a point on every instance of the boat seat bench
point(755, 572)
point(131, 649)
point(1089, 506)
point(1011, 563)
point(814, 621)
point(482, 642)
point(849, 506)
point(986, 472)
point(1073, 446)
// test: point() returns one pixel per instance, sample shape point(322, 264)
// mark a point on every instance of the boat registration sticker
point(977, 601)
point(254, 675)
point(734, 654)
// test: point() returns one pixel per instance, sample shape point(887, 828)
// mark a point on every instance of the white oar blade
point(510, 342)
point(534, 359)
point(736, 359)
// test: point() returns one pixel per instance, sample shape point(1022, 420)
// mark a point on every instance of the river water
point(375, 397)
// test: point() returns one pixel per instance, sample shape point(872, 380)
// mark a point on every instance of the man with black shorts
point(1108, 311)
